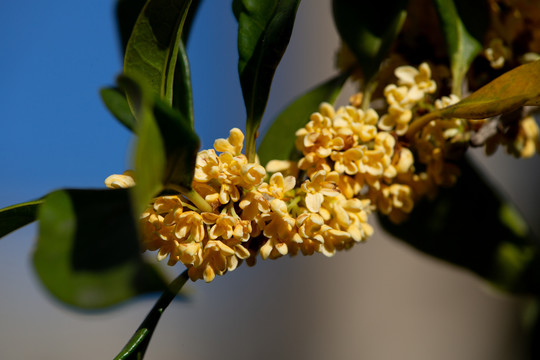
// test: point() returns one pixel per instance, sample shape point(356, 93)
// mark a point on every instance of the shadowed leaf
point(87, 253)
point(166, 146)
point(279, 141)
point(463, 44)
point(471, 226)
point(16, 216)
point(369, 29)
point(115, 100)
point(264, 30)
point(152, 50)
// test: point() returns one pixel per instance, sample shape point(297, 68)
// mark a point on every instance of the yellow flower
point(207, 166)
point(418, 81)
point(252, 175)
point(123, 181)
point(278, 185)
point(497, 53)
point(316, 189)
point(348, 161)
point(279, 228)
point(216, 260)
point(233, 144)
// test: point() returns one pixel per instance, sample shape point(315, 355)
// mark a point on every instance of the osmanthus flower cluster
point(353, 162)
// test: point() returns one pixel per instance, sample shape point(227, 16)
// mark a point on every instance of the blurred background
point(381, 300)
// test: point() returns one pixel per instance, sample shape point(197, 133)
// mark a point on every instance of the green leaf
point(264, 30)
point(182, 93)
point(462, 43)
point(149, 156)
point(152, 50)
point(508, 92)
point(369, 29)
point(88, 254)
point(279, 141)
point(115, 100)
point(136, 346)
point(127, 12)
point(16, 216)
point(471, 226)
point(167, 145)
point(189, 20)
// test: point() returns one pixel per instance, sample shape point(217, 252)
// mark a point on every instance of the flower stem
point(192, 196)
point(136, 346)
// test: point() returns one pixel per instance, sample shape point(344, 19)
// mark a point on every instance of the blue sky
point(55, 132)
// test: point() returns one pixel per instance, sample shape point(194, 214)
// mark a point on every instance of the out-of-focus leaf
point(166, 147)
point(182, 93)
point(181, 145)
point(463, 44)
point(279, 141)
point(136, 346)
point(510, 91)
point(16, 216)
point(115, 100)
point(264, 30)
point(149, 156)
point(87, 254)
point(152, 49)
point(369, 29)
point(471, 226)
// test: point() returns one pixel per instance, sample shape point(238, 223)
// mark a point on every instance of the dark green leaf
point(136, 346)
point(264, 30)
point(16, 216)
point(279, 141)
point(189, 20)
point(181, 145)
point(182, 94)
point(167, 144)
point(462, 43)
point(369, 29)
point(88, 254)
point(116, 102)
point(471, 226)
point(127, 12)
point(152, 50)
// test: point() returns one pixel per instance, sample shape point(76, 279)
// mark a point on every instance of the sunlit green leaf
point(369, 29)
point(513, 89)
point(508, 92)
point(462, 43)
point(16, 216)
point(470, 225)
point(152, 50)
point(166, 146)
point(264, 30)
point(115, 100)
point(87, 254)
point(279, 141)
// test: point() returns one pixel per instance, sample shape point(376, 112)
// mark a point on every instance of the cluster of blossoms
point(353, 162)
point(514, 33)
